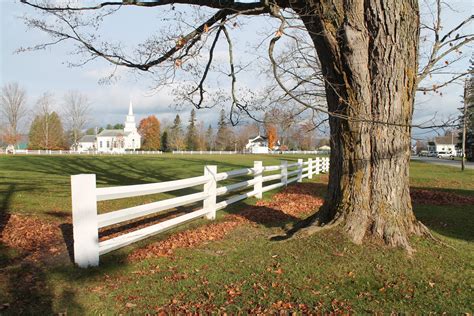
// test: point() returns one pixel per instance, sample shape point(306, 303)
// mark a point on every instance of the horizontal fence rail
point(85, 195)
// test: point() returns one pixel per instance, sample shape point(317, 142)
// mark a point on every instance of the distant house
point(257, 145)
point(324, 148)
point(447, 144)
point(113, 140)
point(86, 143)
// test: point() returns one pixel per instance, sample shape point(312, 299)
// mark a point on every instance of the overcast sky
point(48, 70)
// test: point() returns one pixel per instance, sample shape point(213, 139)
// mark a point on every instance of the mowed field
point(229, 265)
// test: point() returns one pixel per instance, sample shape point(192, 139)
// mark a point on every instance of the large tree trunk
point(368, 51)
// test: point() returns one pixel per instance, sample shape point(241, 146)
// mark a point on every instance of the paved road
point(444, 162)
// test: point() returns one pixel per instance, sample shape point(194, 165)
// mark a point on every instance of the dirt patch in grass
point(36, 238)
point(434, 197)
point(287, 205)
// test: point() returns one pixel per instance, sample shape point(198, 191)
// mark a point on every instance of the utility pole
point(464, 116)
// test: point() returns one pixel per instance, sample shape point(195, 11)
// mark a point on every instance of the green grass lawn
point(245, 271)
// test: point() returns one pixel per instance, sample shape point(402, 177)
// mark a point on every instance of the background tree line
point(59, 123)
point(197, 135)
point(51, 123)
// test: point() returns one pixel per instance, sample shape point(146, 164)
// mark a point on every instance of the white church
point(113, 140)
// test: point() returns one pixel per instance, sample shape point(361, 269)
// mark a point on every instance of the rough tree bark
point(368, 51)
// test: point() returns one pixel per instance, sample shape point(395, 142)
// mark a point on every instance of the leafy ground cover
point(229, 265)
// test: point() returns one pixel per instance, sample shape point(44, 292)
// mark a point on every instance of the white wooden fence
point(204, 152)
point(73, 152)
point(85, 195)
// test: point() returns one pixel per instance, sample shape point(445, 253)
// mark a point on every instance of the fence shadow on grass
point(6, 198)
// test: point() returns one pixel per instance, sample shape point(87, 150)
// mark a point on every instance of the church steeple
point(130, 121)
point(130, 109)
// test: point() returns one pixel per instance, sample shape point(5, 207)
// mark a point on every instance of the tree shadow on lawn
point(5, 206)
point(446, 211)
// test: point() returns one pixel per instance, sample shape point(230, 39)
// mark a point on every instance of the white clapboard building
point(114, 140)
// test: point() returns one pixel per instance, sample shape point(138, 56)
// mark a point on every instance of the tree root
point(306, 227)
point(427, 233)
point(313, 224)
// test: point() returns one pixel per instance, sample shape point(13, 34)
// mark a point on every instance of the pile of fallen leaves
point(435, 197)
point(295, 200)
point(289, 204)
point(186, 239)
point(38, 238)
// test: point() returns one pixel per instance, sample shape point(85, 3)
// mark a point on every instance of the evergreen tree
point(90, 131)
point(224, 134)
point(469, 116)
point(164, 141)
point(209, 138)
point(46, 132)
point(191, 136)
point(176, 134)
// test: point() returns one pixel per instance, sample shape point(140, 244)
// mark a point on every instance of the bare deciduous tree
point(13, 109)
point(76, 114)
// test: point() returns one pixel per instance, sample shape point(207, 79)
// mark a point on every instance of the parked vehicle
point(432, 154)
point(423, 153)
point(443, 154)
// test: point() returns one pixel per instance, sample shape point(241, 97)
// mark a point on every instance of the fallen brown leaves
point(286, 205)
point(435, 197)
point(37, 237)
point(295, 200)
point(185, 239)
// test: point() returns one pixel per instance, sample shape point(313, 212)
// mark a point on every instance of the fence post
point(310, 168)
point(284, 172)
point(300, 170)
point(258, 175)
point(210, 187)
point(84, 220)
point(318, 165)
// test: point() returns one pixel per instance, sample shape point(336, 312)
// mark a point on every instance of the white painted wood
point(310, 168)
point(272, 187)
point(271, 168)
point(292, 165)
point(111, 193)
point(127, 239)
point(258, 173)
point(210, 188)
point(234, 199)
point(271, 177)
point(147, 209)
point(292, 173)
point(85, 196)
point(284, 172)
point(300, 170)
point(234, 173)
point(291, 180)
point(235, 186)
point(84, 220)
